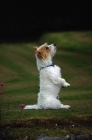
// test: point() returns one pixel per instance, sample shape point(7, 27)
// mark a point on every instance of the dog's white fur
point(50, 80)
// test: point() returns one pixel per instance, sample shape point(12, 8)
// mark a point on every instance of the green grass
point(19, 73)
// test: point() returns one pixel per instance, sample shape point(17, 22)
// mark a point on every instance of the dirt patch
point(16, 129)
point(50, 122)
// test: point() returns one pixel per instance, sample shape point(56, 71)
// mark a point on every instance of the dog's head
point(45, 51)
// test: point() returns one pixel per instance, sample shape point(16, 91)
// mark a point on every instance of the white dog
point(50, 79)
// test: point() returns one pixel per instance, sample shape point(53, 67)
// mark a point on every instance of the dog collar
point(46, 66)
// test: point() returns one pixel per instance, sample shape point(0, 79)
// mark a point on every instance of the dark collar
point(46, 66)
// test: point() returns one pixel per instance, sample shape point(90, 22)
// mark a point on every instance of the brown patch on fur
point(43, 52)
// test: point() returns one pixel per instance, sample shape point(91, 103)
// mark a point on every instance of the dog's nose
point(54, 44)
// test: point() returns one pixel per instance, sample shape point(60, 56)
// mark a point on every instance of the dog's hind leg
point(31, 107)
point(65, 106)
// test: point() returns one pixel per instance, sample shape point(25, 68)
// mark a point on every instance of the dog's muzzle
point(54, 44)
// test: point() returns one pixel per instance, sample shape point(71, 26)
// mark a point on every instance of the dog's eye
point(46, 48)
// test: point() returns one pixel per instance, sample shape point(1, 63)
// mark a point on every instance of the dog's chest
point(45, 74)
point(57, 71)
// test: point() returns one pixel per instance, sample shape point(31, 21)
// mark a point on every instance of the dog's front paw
point(66, 84)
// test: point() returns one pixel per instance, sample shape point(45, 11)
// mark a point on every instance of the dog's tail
point(32, 107)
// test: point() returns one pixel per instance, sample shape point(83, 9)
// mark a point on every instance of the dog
point(51, 80)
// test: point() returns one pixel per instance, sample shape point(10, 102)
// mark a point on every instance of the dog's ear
point(35, 48)
point(39, 54)
point(45, 44)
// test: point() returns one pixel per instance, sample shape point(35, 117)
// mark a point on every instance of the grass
point(19, 73)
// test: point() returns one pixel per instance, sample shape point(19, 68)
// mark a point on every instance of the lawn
point(21, 78)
